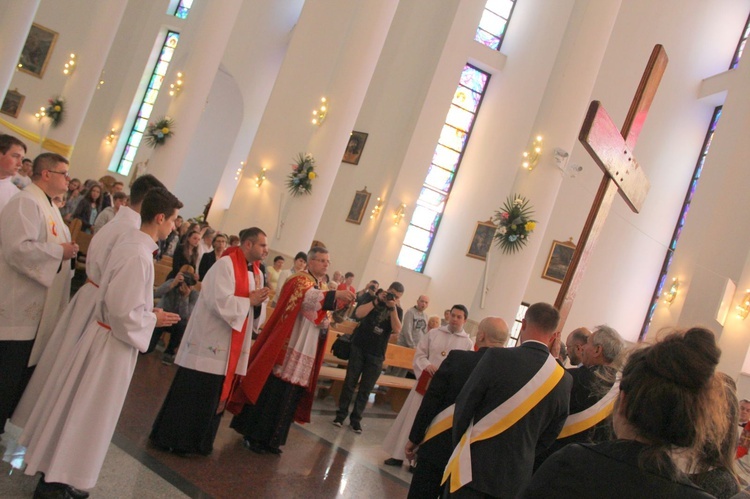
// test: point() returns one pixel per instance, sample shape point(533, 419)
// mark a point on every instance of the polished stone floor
point(319, 460)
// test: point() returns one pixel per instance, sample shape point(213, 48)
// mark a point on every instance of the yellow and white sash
point(441, 422)
point(588, 418)
point(500, 419)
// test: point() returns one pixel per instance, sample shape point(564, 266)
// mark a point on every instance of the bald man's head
point(492, 332)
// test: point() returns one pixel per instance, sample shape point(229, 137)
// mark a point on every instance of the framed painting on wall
point(359, 205)
point(37, 50)
point(558, 261)
point(12, 103)
point(482, 240)
point(354, 148)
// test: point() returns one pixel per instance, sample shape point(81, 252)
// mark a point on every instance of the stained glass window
point(681, 221)
point(495, 18)
point(515, 331)
point(442, 171)
point(147, 104)
point(741, 45)
point(183, 8)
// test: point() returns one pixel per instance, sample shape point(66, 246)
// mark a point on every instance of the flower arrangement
point(300, 180)
point(514, 224)
point(157, 133)
point(56, 110)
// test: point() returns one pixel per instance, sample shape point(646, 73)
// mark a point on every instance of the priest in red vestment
point(285, 360)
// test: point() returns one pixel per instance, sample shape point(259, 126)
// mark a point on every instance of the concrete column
point(14, 28)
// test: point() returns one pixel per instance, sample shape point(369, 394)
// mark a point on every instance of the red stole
point(269, 349)
point(241, 289)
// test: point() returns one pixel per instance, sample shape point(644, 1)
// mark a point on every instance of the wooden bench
point(395, 355)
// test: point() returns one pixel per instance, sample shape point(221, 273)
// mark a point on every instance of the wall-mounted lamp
point(399, 214)
point(377, 209)
point(238, 172)
point(672, 291)
point(319, 115)
point(42, 113)
point(174, 88)
point(531, 157)
point(100, 84)
point(111, 136)
point(744, 307)
point(260, 177)
point(70, 66)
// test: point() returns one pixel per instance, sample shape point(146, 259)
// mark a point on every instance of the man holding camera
point(379, 317)
point(179, 296)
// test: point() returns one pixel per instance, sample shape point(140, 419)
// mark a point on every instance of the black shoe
point(254, 446)
point(392, 461)
point(338, 422)
point(356, 427)
point(54, 490)
point(273, 450)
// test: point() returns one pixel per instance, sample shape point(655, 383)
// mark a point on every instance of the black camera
point(390, 296)
point(188, 279)
point(372, 288)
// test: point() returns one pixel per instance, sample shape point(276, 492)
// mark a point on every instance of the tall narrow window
point(442, 172)
point(495, 18)
point(681, 221)
point(183, 8)
point(515, 330)
point(741, 45)
point(147, 104)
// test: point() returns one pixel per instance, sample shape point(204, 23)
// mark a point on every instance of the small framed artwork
point(354, 148)
point(560, 256)
point(482, 240)
point(359, 205)
point(12, 103)
point(37, 50)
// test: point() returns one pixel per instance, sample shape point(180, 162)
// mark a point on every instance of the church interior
point(406, 172)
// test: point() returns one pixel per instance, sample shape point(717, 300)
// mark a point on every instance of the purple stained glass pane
point(466, 99)
point(446, 158)
point(716, 120)
point(411, 259)
point(425, 218)
point(439, 179)
point(459, 118)
point(487, 39)
point(473, 78)
point(431, 199)
point(453, 138)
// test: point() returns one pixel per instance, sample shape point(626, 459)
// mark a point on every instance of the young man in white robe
point(75, 425)
point(35, 272)
point(80, 310)
point(12, 151)
point(430, 353)
point(215, 347)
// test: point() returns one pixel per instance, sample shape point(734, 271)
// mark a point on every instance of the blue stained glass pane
point(166, 54)
point(425, 218)
point(146, 110)
point(431, 199)
point(453, 138)
point(140, 124)
point(151, 96)
point(492, 23)
point(411, 259)
point(473, 79)
point(418, 238)
point(716, 120)
point(161, 68)
point(487, 39)
point(466, 99)
point(446, 158)
point(459, 118)
point(708, 143)
point(172, 39)
point(439, 179)
point(500, 7)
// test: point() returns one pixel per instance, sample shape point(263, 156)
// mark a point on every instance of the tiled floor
point(319, 460)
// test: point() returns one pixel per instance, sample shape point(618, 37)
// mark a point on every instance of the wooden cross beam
point(612, 151)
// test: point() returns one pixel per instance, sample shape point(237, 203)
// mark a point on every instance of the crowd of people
point(584, 417)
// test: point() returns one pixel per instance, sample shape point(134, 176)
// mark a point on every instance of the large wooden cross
point(612, 149)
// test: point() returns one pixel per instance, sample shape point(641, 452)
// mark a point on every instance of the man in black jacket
point(445, 386)
point(513, 405)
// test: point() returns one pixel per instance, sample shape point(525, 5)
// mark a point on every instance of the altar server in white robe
point(35, 273)
point(70, 441)
point(11, 160)
point(80, 310)
point(430, 353)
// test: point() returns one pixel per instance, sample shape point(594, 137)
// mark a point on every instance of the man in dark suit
point(445, 386)
point(591, 383)
point(503, 446)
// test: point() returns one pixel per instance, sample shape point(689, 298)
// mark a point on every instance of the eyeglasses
point(65, 174)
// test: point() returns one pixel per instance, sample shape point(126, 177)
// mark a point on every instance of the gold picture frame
point(558, 261)
point(359, 205)
point(481, 241)
point(12, 103)
point(37, 50)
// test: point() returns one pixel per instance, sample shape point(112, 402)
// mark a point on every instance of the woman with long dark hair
point(89, 207)
point(186, 253)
